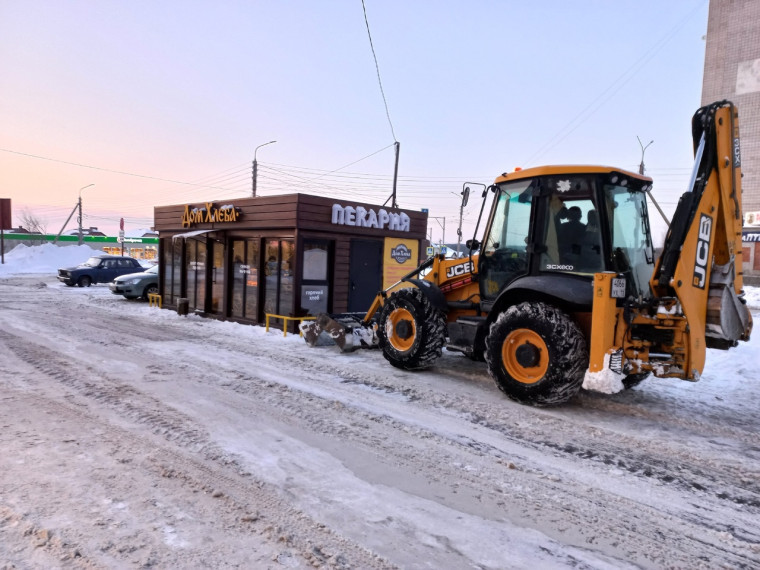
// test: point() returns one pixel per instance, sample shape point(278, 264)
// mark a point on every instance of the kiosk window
point(315, 287)
point(278, 276)
point(245, 278)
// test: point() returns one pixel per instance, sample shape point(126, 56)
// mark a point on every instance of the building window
point(217, 275)
point(278, 276)
point(196, 273)
point(315, 287)
point(245, 281)
point(171, 250)
point(176, 268)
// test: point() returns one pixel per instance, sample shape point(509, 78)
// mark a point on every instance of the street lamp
point(643, 148)
point(649, 188)
point(79, 205)
point(255, 165)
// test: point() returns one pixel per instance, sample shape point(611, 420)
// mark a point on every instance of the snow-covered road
point(133, 437)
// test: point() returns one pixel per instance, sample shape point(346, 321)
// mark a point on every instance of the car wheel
point(84, 281)
point(150, 290)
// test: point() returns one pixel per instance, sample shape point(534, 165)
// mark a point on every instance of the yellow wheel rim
point(525, 356)
point(403, 317)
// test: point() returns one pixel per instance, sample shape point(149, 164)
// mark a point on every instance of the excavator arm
point(697, 283)
point(702, 259)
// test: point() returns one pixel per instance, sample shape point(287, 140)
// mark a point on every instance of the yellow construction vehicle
point(564, 290)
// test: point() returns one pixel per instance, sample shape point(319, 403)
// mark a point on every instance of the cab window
point(505, 249)
point(572, 234)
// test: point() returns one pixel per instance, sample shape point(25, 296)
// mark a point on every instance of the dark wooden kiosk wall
point(291, 255)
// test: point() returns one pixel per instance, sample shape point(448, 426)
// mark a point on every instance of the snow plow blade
point(347, 330)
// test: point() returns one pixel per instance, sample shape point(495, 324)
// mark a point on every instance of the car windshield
point(92, 262)
point(153, 269)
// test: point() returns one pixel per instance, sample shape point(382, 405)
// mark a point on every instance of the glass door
point(245, 280)
point(196, 273)
point(278, 276)
point(217, 276)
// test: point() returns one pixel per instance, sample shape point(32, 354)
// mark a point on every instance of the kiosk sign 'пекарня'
point(367, 218)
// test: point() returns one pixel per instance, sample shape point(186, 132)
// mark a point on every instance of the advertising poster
point(399, 258)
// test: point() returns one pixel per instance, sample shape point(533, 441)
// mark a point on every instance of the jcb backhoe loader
point(564, 291)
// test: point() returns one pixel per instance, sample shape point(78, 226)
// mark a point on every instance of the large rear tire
point(411, 332)
point(536, 354)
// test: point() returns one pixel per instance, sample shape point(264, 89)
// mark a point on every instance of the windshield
point(153, 269)
point(92, 262)
point(632, 252)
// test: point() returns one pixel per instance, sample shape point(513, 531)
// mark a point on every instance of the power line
point(611, 89)
point(377, 68)
point(103, 169)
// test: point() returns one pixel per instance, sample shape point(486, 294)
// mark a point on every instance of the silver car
point(136, 285)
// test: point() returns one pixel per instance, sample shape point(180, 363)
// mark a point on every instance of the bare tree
point(34, 224)
point(31, 222)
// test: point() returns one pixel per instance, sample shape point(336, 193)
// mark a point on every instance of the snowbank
point(46, 258)
point(753, 297)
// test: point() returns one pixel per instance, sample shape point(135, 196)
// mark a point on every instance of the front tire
point(150, 290)
point(84, 281)
point(536, 354)
point(411, 332)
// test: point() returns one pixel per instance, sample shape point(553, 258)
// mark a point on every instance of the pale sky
point(164, 102)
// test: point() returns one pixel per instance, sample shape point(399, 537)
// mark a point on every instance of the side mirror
point(465, 195)
point(472, 244)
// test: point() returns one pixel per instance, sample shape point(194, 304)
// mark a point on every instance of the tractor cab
point(552, 228)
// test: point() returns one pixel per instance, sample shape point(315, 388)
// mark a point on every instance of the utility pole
point(443, 225)
point(256, 166)
point(394, 204)
point(465, 197)
point(79, 205)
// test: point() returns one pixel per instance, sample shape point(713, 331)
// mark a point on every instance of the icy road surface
point(132, 437)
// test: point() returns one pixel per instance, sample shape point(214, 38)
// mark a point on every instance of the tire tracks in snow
point(171, 448)
point(509, 457)
point(565, 471)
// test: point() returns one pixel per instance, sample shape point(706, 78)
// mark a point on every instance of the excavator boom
point(697, 282)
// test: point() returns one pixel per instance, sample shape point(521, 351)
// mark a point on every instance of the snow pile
point(606, 381)
point(752, 296)
point(45, 258)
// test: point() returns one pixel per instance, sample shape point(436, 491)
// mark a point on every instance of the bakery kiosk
point(291, 255)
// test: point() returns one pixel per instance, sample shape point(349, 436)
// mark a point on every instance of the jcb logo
point(703, 251)
point(456, 270)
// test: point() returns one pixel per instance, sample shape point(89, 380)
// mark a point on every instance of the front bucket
point(312, 331)
point(346, 330)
